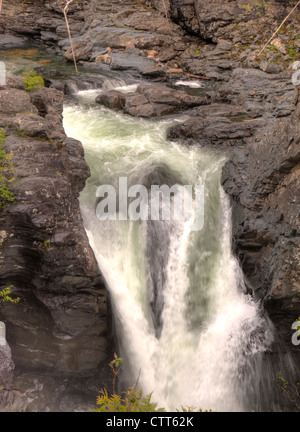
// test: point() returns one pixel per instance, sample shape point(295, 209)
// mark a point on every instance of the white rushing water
point(184, 322)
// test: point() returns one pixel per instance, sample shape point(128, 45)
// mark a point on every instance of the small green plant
point(290, 390)
point(191, 409)
point(21, 133)
point(33, 81)
point(292, 52)
point(6, 171)
point(5, 295)
point(131, 401)
point(45, 245)
point(283, 382)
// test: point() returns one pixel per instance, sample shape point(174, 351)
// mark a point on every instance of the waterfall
point(186, 326)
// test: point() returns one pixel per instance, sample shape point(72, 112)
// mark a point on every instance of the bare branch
point(167, 15)
point(65, 11)
point(278, 28)
point(1, 6)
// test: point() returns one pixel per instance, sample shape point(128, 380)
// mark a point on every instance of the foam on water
point(213, 339)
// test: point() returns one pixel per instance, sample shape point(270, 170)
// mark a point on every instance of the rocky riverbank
point(246, 104)
point(193, 37)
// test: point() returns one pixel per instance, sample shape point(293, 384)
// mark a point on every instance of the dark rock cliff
point(60, 323)
point(263, 180)
point(255, 115)
point(215, 18)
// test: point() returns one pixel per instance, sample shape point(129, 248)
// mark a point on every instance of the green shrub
point(291, 390)
point(33, 81)
point(292, 52)
point(5, 295)
point(131, 401)
point(6, 170)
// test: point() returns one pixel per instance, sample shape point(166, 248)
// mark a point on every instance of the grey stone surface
point(150, 100)
point(61, 322)
point(10, 41)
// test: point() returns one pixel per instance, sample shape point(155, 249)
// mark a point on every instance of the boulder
point(261, 92)
point(150, 100)
point(215, 130)
point(120, 37)
point(15, 101)
point(11, 42)
point(82, 50)
point(112, 99)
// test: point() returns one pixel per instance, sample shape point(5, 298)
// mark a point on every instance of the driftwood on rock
point(65, 11)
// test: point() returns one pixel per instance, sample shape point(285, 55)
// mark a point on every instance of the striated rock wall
point(60, 323)
point(184, 14)
point(254, 117)
point(220, 18)
point(263, 180)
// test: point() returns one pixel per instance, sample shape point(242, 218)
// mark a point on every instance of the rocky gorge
point(244, 104)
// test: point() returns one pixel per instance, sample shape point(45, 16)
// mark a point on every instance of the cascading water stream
point(184, 321)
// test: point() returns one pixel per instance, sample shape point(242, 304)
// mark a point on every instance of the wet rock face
point(255, 117)
point(215, 15)
point(205, 18)
point(60, 323)
point(218, 18)
point(264, 183)
point(184, 14)
point(239, 109)
point(10, 399)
